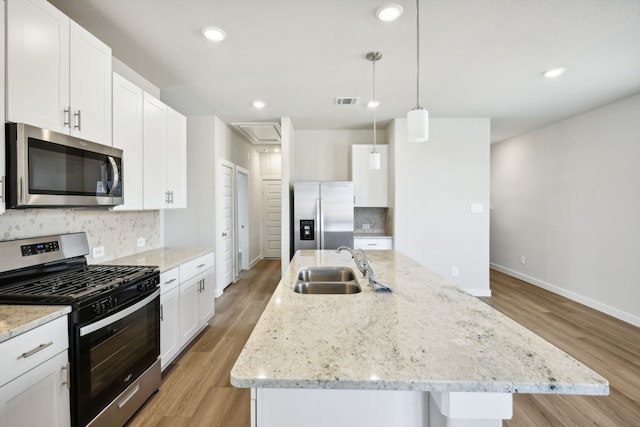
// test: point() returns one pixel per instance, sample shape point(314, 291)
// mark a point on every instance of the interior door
point(226, 226)
point(271, 210)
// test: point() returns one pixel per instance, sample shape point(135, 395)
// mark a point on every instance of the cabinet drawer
point(196, 266)
point(169, 280)
point(26, 351)
point(372, 243)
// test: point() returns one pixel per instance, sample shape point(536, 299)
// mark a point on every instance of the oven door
point(112, 353)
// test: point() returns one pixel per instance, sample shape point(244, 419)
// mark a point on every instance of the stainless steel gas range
point(114, 325)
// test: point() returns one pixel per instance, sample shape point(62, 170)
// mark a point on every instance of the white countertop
point(164, 258)
point(17, 319)
point(427, 335)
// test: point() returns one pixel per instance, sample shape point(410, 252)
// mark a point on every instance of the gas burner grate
point(75, 283)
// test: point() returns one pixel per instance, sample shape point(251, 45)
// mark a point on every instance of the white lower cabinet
point(34, 388)
point(373, 243)
point(169, 326)
point(186, 304)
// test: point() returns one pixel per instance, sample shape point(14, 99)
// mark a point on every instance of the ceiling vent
point(346, 100)
point(259, 132)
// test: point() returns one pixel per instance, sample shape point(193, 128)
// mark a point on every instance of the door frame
point(241, 236)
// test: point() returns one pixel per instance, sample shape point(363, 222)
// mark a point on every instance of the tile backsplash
point(375, 217)
point(117, 232)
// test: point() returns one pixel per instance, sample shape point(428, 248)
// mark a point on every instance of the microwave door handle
point(116, 175)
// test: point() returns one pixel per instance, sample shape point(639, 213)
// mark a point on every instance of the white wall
point(567, 198)
point(325, 155)
point(435, 184)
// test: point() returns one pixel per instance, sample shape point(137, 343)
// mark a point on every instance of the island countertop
point(427, 335)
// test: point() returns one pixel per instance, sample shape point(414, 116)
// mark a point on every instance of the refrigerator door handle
point(320, 226)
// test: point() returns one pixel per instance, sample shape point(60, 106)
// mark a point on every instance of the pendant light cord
point(418, 54)
point(375, 106)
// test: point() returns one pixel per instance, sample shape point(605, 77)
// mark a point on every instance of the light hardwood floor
point(607, 345)
point(195, 390)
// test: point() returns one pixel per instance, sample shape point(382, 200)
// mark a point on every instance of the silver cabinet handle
point(35, 350)
point(161, 313)
point(67, 381)
point(170, 281)
point(67, 117)
point(201, 265)
point(78, 118)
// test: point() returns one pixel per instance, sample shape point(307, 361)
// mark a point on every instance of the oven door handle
point(85, 330)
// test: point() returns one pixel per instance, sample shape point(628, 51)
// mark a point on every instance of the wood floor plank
point(196, 390)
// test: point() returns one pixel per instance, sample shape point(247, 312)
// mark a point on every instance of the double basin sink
point(326, 280)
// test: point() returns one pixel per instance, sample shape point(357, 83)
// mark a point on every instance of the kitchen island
point(427, 354)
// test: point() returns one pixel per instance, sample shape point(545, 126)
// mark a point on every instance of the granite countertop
point(17, 319)
point(427, 335)
point(164, 258)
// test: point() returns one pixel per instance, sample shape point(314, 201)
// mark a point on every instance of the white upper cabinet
point(127, 135)
point(90, 86)
point(176, 183)
point(370, 187)
point(154, 143)
point(58, 74)
point(2, 93)
point(165, 156)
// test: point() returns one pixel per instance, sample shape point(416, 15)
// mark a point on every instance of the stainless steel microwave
point(48, 169)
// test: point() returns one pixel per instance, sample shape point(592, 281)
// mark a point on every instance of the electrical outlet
point(454, 271)
point(141, 242)
point(98, 252)
point(522, 259)
point(366, 226)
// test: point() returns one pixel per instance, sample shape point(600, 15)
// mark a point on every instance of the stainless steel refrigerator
point(322, 214)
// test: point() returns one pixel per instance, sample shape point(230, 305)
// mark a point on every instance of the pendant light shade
point(418, 118)
point(418, 125)
point(374, 160)
point(374, 156)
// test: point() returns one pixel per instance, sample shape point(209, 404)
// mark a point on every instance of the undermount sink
point(326, 280)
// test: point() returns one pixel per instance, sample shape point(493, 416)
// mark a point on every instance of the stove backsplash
point(117, 232)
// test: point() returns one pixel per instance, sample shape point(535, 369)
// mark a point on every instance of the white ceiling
point(480, 58)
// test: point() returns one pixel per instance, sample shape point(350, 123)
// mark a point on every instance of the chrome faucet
point(363, 264)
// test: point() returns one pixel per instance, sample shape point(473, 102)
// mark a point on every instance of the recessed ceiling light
point(373, 104)
point(258, 104)
point(553, 73)
point(389, 12)
point(214, 34)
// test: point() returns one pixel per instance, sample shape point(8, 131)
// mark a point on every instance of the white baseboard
point(255, 261)
point(612, 311)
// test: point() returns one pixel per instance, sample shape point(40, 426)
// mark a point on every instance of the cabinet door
point(127, 135)
point(90, 86)
point(370, 187)
point(154, 142)
point(39, 397)
point(37, 64)
point(206, 301)
point(176, 182)
point(169, 326)
point(189, 293)
point(2, 93)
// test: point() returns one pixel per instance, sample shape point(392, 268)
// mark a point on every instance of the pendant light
point(418, 118)
point(374, 156)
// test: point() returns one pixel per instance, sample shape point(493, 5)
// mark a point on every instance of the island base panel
point(377, 408)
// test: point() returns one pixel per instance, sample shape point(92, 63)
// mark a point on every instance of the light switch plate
point(366, 226)
point(476, 207)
